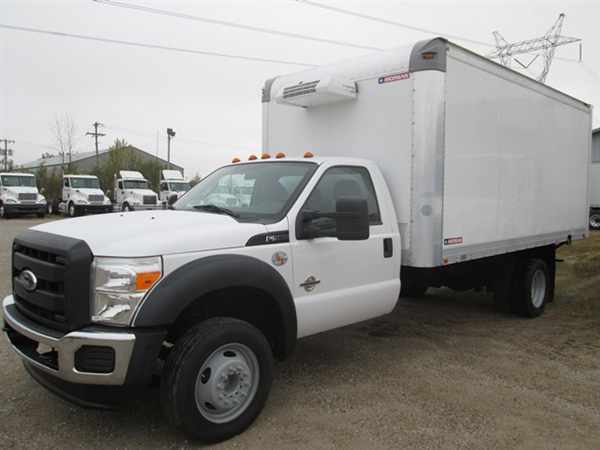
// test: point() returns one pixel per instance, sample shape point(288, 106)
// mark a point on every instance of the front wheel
point(3, 212)
point(126, 207)
point(71, 210)
point(217, 379)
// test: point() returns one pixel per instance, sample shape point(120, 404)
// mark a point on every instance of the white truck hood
point(15, 190)
point(149, 233)
point(89, 191)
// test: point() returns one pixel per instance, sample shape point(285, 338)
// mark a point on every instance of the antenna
point(543, 46)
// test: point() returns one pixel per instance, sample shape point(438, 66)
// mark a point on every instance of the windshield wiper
point(216, 209)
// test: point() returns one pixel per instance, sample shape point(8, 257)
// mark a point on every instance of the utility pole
point(170, 134)
point(96, 135)
point(6, 152)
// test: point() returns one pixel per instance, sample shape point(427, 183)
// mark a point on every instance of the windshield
point(260, 192)
point(17, 180)
point(179, 186)
point(85, 183)
point(135, 184)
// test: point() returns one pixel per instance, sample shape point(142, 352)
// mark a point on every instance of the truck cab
point(132, 192)
point(82, 194)
point(172, 183)
point(19, 195)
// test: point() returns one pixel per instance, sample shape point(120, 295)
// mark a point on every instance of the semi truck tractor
point(595, 182)
point(132, 192)
point(426, 165)
point(80, 195)
point(172, 183)
point(19, 195)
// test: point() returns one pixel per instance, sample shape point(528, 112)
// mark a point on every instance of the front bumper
point(135, 352)
point(94, 209)
point(25, 208)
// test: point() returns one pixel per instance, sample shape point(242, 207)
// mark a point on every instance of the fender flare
point(180, 288)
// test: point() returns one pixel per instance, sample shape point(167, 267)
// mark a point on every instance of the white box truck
point(595, 182)
point(172, 185)
point(19, 195)
point(439, 168)
point(80, 195)
point(132, 192)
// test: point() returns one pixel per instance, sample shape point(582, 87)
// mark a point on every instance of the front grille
point(61, 265)
point(149, 200)
point(95, 198)
point(28, 197)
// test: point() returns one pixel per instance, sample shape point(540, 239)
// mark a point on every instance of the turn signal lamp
point(145, 280)
point(252, 158)
point(235, 160)
point(308, 154)
point(280, 155)
point(428, 55)
point(265, 156)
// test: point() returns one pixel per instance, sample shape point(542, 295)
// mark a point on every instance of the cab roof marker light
point(308, 154)
point(252, 158)
point(235, 160)
point(428, 55)
point(280, 155)
point(265, 156)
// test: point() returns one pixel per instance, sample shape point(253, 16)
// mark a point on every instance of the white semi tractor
point(19, 195)
point(172, 185)
point(133, 193)
point(80, 195)
point(434, 167)
point(595, 181)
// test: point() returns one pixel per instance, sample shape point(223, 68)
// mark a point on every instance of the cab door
point(341, 282)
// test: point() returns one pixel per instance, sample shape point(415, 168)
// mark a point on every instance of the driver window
point(164, 187)
point(338, 182)
point(120, 185)
point(66, 182)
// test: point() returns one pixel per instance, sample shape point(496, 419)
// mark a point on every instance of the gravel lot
point(446, 371)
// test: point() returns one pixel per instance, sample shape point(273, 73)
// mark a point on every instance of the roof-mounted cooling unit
point(318, 92)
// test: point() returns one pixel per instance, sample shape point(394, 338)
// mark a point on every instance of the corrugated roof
point(57, 160)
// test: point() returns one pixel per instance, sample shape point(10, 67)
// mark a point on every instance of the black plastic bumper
point(33, 208)
point(93, 209)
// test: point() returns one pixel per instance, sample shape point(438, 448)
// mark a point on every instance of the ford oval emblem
point(29, 280)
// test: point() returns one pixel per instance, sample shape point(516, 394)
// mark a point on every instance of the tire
point(413, 290)
point(3, 213)
point(533, 289)
point(71, 210)
point(198, 374)
point(126, 207)
point(50, 209)
point(595, 220)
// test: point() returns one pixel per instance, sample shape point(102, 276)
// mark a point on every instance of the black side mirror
point(172, 199)
point(352, 219)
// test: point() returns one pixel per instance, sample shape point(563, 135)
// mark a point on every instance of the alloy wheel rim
point(538, 288)
point(595, 221)
point(227, 383)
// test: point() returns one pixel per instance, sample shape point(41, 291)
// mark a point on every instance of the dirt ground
point(446, 371)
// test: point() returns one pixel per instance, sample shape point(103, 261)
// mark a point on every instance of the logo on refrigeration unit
point(453, 241)
point(28, 280)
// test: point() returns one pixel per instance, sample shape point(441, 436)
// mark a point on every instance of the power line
point(154, 46)
point(240, 26)
point(389, 22)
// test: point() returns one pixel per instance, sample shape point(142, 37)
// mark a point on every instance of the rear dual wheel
point(217, 379)
point(524, 287)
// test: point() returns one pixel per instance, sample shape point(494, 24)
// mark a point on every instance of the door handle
point(310, 283)
point(388, 248)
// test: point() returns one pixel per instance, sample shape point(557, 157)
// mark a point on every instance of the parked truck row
point(427, 166)
point(82, 194)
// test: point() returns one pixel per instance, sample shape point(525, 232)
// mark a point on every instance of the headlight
point(81, 201)
point(41, 199)
point(11, 200)
point(120, 284)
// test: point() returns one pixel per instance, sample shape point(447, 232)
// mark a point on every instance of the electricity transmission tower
point(543, 46)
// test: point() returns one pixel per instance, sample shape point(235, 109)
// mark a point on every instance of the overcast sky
point(213, 103)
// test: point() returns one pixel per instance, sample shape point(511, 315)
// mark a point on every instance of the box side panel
point(376, 126)
point(516, 162)
point(595, 185)
point(427, 170)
